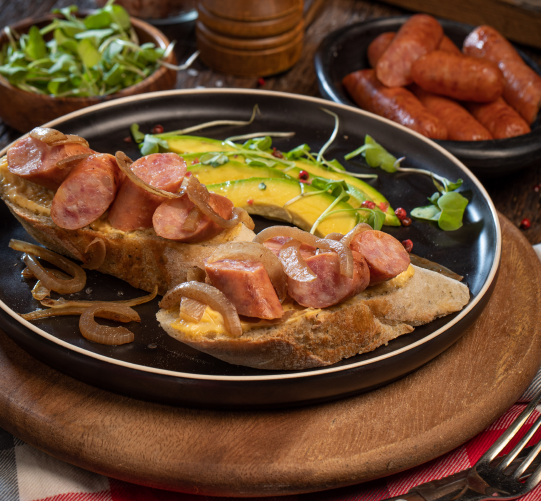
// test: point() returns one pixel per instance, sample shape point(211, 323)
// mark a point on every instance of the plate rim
point(289, 375)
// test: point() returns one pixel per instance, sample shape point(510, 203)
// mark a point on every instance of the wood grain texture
point(401, 425)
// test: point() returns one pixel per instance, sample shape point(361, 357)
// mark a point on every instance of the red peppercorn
point(408, 245)
point(188, 174)
point(406, 221)
point(537, 188)
point(250, 201)
point(525, 224)
point(276, 153)
point(368, 204)
point(127, 139)
point(384, 206)
point(260, 82)
point(195, 161)
point(303, 175)
point(400, 213)
point(157, 129)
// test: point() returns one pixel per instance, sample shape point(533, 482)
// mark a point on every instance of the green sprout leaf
point(35, 48)
point(260, 162)
point(101, 19)
point(119, 15)
point(447, 209)
point(213, 159)
point(88, 53)
point(152, 144)
point(137, 135)
point(298, 152)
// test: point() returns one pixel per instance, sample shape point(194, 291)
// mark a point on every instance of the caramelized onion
point(253, 251)
point(124, 162)
point(69, 160)
point(334, 236)
point(47, 135)
point(70, 139)
point(48, 279)
point(103, 334)
point(98, 256)
point(74, 310)
point(360, 228)
point(195, 274)
point(39, 291)
point(200, 196)
point(344, 253)
point(209, 295)
point(192, 308)
point(295, 266)
point(26, 273)
point(191, 222)
point(244, 217)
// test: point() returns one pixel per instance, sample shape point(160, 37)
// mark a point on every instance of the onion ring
point(103, 334)
point(360, 228)
point(334, 236)
point(295, 266)
point(73, 310)
point(192, 308)
point(70, 139)
point(97, 257)
point(47, 135)
point(74, 284)
point(124, 162)
point(344, 253)
point(254, 251)
point(61, 164)
point(244, 217)
point(207, 294)
point(39, 291)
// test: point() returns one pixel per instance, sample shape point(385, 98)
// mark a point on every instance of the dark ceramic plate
point(344, 51)
point(155, 366)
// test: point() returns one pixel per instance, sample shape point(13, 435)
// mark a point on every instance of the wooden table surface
point(514, 195)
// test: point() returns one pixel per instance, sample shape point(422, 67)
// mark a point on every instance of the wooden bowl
point(254, 29)
point(24, 110)
point(250, 10)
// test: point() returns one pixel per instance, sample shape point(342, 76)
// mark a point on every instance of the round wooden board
point(413, 420)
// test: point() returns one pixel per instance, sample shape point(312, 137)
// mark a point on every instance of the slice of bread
point(141, 258)
point(320, 337)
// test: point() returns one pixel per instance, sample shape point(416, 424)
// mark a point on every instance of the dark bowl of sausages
point(465, 87)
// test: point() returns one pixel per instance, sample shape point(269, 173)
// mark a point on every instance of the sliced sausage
point(329, 287)
point(36, 161)
point(397, 104)
point(385, 255)
point(87, 192)
point(170, 216)
point(499, 118)
point(460, 124)
point(419, 35)
point(133, 207)
point(457, 76)
point(448, 45)
point(522, 85)
point(275, 245)
point(378, 46)
point(247, 285)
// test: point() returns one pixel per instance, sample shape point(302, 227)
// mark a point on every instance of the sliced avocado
point(232, 171)
point(359, 190)
point(267, 196)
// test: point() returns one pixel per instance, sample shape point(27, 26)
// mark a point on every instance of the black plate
point(344, 51)
point(155, 366)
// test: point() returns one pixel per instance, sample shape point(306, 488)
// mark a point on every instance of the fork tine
point(498, 446)
point(527, 461)
point(518, 448)
point(533, 479)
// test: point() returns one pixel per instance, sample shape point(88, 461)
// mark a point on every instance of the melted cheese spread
point(23, 193)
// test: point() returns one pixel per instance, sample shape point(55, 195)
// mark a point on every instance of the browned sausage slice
point(461, 126)
point(448, 45)
point(36, 161)
point(419, 35)
point(397, 104)
point(378, 46)
point(499, 118)
point(385, 255)
point(133, 207)
point(329, 287)
point(522, 85)
point(169, 218)
point(86, 193)
point(247, 285)
point(457, 76)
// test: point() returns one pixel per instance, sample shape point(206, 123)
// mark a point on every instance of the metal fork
point(508, 477)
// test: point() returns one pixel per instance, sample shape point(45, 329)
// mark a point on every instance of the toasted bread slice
point(141, 258)
point(320, 337)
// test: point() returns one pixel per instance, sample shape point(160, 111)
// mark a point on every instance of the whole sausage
point(378, 46)
point(170, 216)
point(457, 76)
point(87, 192)
point(397, 104)
point(522, 85)
point(385, 255)
point(448, 45)
point(499, 118)
point(461, 126)
point(247, 285)
point(36, 161)
point(133, 207)
point(419, 35)
point(330, 287)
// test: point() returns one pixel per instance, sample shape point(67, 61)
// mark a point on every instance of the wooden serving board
point(413, 420)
